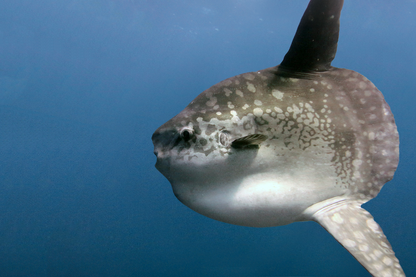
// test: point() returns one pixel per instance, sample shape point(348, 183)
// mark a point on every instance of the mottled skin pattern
point(340, 128)
point(341, 111)
point(326, 142)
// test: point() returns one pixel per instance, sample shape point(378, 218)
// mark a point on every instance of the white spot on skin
point(378, 253)
point(312, 90)
point(218, 113)
point(337, 218)
point(363, 247)
point(227, 82)
point(245, 106)
point(257, 103)
point(227, 92)
point(362, 85)
point(277, 94)
point(387, 261)
point(248, 76)
point(371, 136)
point(239, 93)
point(372, 225)
point(357, 163)
point(234, 113)
point(349, 243)
point(278, 110)
point(251, 87)
point(258, 112)
point(211, 102)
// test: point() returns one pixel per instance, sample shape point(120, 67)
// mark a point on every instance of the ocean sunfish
point(301, 141)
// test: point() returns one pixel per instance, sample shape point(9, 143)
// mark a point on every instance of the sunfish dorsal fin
point(250, 141)
point(355, 229)
point(315, 43)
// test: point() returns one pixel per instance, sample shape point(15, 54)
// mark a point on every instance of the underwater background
point(85, 83)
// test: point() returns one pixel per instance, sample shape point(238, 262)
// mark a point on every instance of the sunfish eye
point(225, 138)
point(186, 133)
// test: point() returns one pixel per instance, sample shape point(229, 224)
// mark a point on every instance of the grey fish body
point(299, 141)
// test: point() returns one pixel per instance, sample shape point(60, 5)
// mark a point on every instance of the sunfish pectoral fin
point(355, 229)
point(250, 141)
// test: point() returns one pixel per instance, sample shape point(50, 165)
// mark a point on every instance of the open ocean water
point(85, 83)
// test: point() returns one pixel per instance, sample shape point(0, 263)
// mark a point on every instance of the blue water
point(83, 85)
